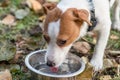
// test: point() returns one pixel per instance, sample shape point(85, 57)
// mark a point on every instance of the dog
point(69, 20)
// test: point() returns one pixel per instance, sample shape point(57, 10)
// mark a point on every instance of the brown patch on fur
point(46, 37)
point(52, 16)
point(71, 22)
point(5, 75)
point(47, 7)
point(82, 14)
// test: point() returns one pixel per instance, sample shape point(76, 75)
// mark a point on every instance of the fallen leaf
point(35, 5)
point(4, 3)
point(85, 59)
point(28, 3)
point(87, 73)
point(35, 31)
point(42, 18)
point(8, 20)
point(18, 55)
point(5, 75)
point(116, 78)
point(114, 37)
point(107, 63)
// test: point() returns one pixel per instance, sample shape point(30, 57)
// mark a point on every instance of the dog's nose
point(50, 63)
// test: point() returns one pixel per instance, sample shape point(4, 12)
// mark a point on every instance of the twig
point(92, 44)
point(114, 52)
point(118, 70)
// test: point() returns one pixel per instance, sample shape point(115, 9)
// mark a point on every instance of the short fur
point(68, 21)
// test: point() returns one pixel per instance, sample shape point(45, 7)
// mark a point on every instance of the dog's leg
point(103, 27)
point(116, 15)
point(102, 38)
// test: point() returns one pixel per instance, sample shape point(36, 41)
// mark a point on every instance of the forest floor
point(21, 33)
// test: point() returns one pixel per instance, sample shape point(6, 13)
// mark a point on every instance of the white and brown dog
point(68, 21)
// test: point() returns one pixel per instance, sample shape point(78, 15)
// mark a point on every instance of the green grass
point(9, 33)
point(19, 75)
point(24, 24)
point(114, 44)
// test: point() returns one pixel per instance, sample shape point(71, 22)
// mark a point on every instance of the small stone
point(7, 51)
point(81, 47)
point(21, 13)
point(8, 20)
point(5, 75)
point(35, 31)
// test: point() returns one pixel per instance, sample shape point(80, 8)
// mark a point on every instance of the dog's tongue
point(54, 69)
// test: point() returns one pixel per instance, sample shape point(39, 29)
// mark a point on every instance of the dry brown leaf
point(35, 5)
point(18, 55)
point(41, 1)
point(5, 75)
point(87, 74)
point(107, 63)
point(41, 18)
point(114, 37)
point(115, 64)
point(4, 3)
point(52, 0)
point(8, 20)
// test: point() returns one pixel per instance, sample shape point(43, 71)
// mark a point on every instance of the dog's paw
point(116, 25)
point(97, 63)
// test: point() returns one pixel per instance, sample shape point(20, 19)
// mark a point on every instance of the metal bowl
point(72, 66)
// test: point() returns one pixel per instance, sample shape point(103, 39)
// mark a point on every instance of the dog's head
point(61, 30)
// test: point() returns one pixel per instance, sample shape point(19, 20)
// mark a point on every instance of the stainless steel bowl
point(72, 66)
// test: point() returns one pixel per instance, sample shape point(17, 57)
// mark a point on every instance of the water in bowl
point(70, 65)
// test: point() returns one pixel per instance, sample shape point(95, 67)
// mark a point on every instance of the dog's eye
point(46, 38)
point(61, 42)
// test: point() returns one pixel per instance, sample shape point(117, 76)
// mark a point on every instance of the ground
point(20, 33)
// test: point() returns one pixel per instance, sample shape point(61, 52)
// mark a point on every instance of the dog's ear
point(48, 7)
point(82, 15)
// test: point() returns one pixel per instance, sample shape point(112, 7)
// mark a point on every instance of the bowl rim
point(52, 75)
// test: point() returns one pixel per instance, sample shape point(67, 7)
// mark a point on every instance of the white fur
point(102, 10)
point(79, 4)
point(54, 52)
point(115, 4)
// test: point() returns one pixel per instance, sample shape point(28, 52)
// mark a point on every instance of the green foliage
point(19, 75)
point(114, 44)
point(7, 32)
